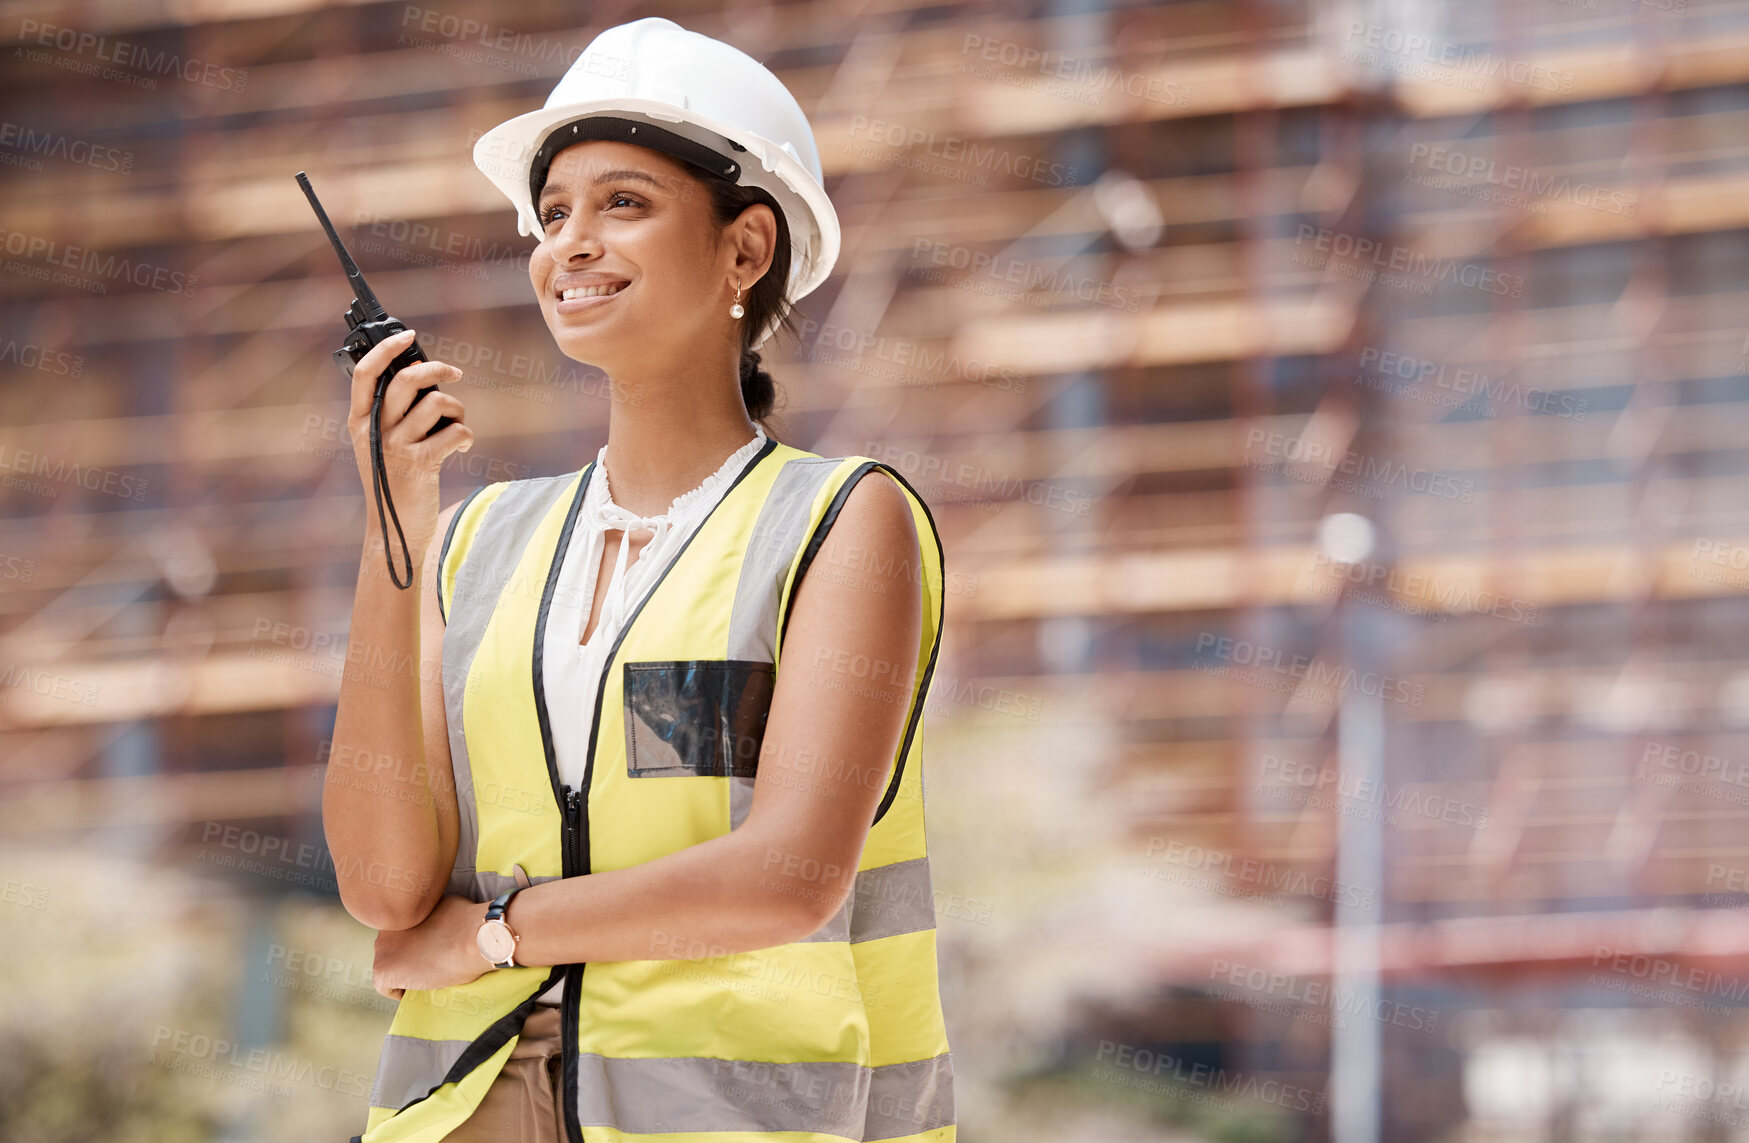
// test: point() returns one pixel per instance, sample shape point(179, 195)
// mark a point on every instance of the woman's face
point(626, 219)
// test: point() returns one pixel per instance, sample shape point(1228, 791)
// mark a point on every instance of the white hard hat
point(656, 84)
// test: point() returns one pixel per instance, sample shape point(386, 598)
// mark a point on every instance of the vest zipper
point(569, 1011)
point(573, 856)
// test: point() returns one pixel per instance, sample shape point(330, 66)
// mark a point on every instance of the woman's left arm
point(837, 714)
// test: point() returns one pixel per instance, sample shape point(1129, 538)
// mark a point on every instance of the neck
point(659, 449)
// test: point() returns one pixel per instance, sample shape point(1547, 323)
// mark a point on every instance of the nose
point(575, 236)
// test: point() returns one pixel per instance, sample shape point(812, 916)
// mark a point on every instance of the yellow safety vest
point(835, 1036)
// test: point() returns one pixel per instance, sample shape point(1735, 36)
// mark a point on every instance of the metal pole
point(1356, 1036)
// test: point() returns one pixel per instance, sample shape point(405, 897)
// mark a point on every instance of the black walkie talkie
point(370, 325)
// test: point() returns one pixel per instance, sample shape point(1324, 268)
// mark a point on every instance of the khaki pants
point(521, 1106)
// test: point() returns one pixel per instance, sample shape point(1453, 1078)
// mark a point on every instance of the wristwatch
point(495, 938)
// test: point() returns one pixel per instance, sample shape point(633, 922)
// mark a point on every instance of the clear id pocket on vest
point(696, 716)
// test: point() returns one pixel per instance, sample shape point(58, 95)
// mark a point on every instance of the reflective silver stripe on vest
point(706, 1094)
point(892, 899)
point(905, 1099)
point(490, 561)
point(703, 1093)
point(771, 546)
point(411, 1067)
point(482, 886)
point(884, 901)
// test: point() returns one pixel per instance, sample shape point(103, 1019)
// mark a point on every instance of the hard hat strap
point(636, 131)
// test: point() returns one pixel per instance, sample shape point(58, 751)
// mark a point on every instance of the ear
point(754, 235)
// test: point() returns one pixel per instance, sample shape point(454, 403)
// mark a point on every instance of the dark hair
point(767, 297)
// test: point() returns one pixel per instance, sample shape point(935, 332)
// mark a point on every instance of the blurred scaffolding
point(1342, 730)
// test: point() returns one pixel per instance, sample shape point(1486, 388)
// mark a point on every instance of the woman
point(632, 878)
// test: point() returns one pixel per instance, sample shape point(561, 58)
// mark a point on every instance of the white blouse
point(571, 668)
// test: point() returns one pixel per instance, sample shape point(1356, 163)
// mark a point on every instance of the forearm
point(378, 807)
point(734, 893)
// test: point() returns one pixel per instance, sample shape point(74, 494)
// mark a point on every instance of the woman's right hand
point(411, 464)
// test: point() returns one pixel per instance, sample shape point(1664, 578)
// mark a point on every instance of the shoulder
point(876, 511)
point(870, 528)
point(863, 571)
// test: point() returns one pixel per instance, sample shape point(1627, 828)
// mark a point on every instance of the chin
point(585, 346)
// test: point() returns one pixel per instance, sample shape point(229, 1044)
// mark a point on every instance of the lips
point(592, 291)
point(592, 280)
point(593, 295)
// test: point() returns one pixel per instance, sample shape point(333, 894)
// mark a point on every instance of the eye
point(546, 215)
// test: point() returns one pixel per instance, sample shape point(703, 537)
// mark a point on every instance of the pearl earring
point(735, 310)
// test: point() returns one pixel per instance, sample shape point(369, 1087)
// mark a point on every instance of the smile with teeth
point(592, 291)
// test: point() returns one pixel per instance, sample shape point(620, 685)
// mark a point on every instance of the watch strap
point(495, 915)
point(495, 911)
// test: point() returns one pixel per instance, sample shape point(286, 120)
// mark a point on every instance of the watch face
point(496, 943)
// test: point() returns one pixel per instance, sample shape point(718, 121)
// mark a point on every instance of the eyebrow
point(607, 177)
